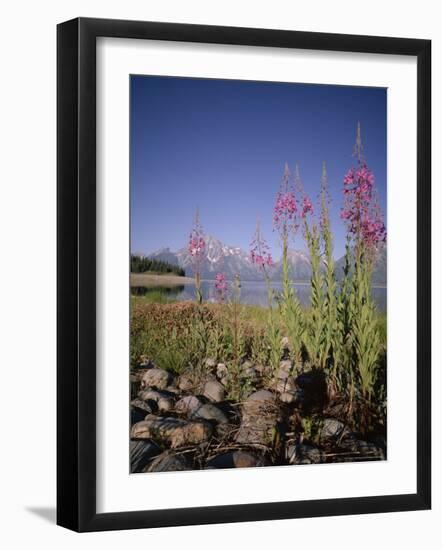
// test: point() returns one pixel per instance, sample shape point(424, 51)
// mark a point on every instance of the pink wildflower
point(197, 245)
point(220, 287)
point(307, 206)
point(361, 211)
point(285, 209)
point(260, 254)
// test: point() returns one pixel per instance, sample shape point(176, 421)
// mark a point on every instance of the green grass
point(252, 314)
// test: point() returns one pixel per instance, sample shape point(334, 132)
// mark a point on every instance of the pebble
point(188, 404)
point(141, 454)
point(235, 459)
point(331, 429)
point(303, 454)
point(211, 412)
point(185, 383)
point(156, 378)
point(214, 391)
point(169, 462)
point(172, 430)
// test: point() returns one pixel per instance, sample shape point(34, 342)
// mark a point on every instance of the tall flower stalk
point(285, 222)
point(235, 382)
point(261, 257)
point(332, 343)
point(367, 232)
point(197, 250)
point(314, 336)
point(342, 340)
point(220, 288)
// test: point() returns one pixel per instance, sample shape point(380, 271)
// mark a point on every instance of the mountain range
point(231, 260)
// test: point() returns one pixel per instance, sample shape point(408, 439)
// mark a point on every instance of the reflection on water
point(254, 293)
point(167, 291)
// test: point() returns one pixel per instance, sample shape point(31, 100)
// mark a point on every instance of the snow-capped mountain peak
point(232, 260)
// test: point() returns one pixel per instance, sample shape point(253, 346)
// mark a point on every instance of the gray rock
point(188, 404)
point(165, 404)
point(156, 427)
point(261, 396)
point(370, 450)
point(142, 405)
point(285, 369)
point(149, 394)
point(141, 454)
point(259, 422)
point(139, 373)
point(221, 371)
point(362, 449)
point(257, 431)
point(332, 429)
point(286, 385)
point(235, 459)
point(258, 401)
point(157, 400)
point(287, 397)
point(156, 378)
point(263, 370)
point(211, 412)
point(242, 459)
point(192, 433)
point(303, 454)
point(174, 431)
point(169, 462)
point(185, 383)
point(214, 391)
point(210, 363)
point(350, 442)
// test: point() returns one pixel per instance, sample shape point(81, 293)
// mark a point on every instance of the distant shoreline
point(154, 279)
point(170, 279)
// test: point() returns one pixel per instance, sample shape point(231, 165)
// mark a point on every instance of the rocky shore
point(186, 423)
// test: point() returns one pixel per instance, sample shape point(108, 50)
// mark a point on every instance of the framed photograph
point(243, 274)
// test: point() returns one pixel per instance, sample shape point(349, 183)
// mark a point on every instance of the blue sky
point(221, 146)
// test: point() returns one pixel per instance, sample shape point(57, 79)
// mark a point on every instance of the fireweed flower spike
point(285, 208)
point(315, 329)
point(307, 207)
point(366, 233)
point(361, 211)
point(285, 222)
point(220, 287)
point(197, 250)
point(259, 250)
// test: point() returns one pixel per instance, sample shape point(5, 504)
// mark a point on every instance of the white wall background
point(27, 277)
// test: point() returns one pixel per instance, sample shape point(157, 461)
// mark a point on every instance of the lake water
point(254, 293)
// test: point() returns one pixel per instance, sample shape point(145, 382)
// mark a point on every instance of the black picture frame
point(76, 274)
